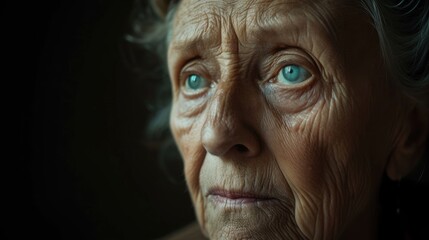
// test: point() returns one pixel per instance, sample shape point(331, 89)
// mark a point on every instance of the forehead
point(248, 7)
point(197, 18)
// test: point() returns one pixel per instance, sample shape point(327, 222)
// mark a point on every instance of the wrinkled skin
point(311, 154)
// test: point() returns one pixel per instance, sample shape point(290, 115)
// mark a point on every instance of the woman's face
point(283, 115)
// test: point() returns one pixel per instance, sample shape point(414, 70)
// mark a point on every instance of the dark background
point(81, 168)
point(76, 163)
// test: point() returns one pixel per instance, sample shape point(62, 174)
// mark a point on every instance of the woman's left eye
point(293, 74)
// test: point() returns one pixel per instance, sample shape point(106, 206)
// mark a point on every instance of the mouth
point(238, 198)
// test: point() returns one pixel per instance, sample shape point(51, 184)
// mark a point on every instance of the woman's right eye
point(195, 82)
point(293, 74)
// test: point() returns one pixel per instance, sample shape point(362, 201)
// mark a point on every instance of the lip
point(232, 197)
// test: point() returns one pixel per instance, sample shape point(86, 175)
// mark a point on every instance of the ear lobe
point(411, 144)
point(160, 7)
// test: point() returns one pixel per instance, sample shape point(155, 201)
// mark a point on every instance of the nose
point(229, 126)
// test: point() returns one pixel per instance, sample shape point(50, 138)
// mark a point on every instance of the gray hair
point(150, 31)
point(403, 32)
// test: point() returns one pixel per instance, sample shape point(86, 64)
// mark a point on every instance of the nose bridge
point(225, 102)
point(227, 128)
point(223, 114)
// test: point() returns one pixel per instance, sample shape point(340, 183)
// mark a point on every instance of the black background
point(77, 166)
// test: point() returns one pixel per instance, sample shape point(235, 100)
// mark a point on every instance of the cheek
point(299, 160)
point(186, 134)
point(294, 142)
point(328, 172)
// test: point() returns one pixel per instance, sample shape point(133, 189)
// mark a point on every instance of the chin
point(249, 219)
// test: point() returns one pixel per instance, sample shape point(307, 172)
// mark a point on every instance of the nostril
point(241, 148)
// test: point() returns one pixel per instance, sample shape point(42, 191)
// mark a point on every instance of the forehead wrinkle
point(213, 14)
point(250, 22)
point(201, 30)
point(278, 16)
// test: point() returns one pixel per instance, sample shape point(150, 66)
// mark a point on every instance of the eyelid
point(180, 65)
point(286, 57)
point(193, 69)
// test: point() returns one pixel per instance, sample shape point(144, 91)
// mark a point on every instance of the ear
point(411, 144)
point(160, 7)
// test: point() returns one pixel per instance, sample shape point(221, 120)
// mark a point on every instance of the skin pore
point(284, 117)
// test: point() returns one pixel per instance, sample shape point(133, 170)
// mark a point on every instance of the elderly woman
point(288, 114)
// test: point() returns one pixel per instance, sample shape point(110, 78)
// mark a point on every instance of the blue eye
point(195, 82)
point(293, 74)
